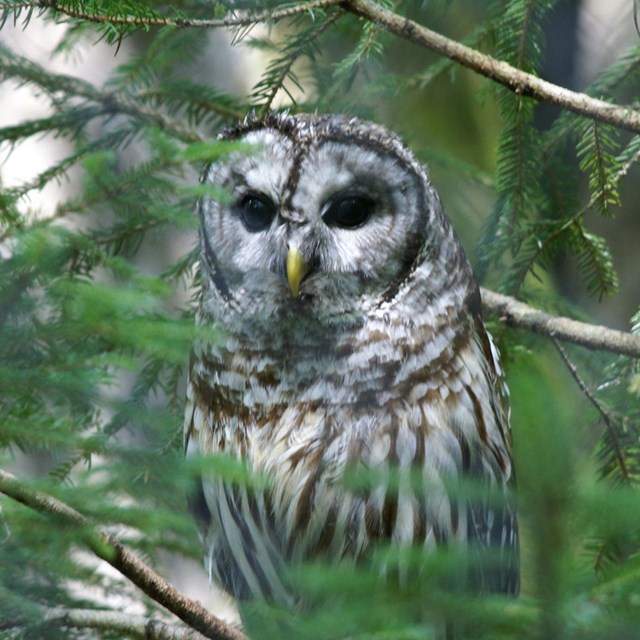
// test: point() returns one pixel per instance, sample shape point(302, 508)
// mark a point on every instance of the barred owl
point(352, 337)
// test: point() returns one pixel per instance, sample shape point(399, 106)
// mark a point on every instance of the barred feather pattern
point(381, 362)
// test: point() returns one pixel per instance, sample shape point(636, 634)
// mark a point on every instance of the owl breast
point(391, 396)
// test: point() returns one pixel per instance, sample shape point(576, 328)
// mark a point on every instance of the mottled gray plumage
point(353, 337)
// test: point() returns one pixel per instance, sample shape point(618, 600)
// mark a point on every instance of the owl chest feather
point(404, 398)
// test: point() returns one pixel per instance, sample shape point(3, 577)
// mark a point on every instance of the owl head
point(324, 216)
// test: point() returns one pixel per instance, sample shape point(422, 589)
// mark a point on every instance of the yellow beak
point(296, 270)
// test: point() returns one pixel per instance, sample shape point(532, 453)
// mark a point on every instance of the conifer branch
point(109, 548)
point(517, 314)
point(518, 81)
point(140, 112)
point(544, 244)
point(115, 621)
point(234, 19)
point(284, 71)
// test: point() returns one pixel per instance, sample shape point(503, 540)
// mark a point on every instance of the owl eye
point(256, 212)
point(348, 212)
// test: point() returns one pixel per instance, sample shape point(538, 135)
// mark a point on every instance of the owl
point(351, 338)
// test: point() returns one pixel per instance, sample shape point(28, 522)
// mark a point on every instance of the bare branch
point(520, 315)
point(109, 548)
point(518, 81)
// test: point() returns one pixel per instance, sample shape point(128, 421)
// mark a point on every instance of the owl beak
point(297, 269)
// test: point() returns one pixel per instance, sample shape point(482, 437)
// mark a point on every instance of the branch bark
point(110, 549)
point(517, 314)
point(514, 79)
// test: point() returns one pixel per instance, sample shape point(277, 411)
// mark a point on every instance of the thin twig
point(518, 81)
point(109, 548)
point(605, 415)
point(520, 315)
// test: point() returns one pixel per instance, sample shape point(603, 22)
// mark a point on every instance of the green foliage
point(96, 321)
point(81, 315)
point(596, 151)
point(280, 74)
point(520, 193)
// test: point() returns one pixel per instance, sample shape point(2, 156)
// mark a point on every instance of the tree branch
point(109, 548)
point(520, 315)
point(235, 19)
point(518, 81)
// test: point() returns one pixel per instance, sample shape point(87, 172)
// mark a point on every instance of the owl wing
point(493, 539)
point(242, 554)
point(196, 500)
point(492, 524)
